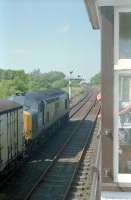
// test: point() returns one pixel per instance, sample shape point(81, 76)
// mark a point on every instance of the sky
point(50, 35)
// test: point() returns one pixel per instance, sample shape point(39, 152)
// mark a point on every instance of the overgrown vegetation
point(13, 81)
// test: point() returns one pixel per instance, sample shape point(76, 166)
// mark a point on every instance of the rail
point(80, 100)
point(44, 174)
point(80, 104)
point(81, 156)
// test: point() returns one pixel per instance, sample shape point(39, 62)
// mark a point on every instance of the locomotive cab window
point(122, 96)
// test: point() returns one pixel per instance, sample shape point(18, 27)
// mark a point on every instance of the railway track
point(56, 181)
point(76, 100)
point(81, 184)
point(76, 107)
point(42, 160)
point(73, 110)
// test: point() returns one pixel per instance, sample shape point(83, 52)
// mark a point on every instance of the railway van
point(43, 110)
point(11, 133)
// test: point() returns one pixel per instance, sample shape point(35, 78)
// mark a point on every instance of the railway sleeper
point(78, 184)
point(85, 167)
point(76, 195)
point(84, 170)
point(80, 190)
point(82, 178)
point(78, 187)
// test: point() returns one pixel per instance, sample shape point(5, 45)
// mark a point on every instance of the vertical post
point(69, 88)
point(70, 94)
point(107, 44)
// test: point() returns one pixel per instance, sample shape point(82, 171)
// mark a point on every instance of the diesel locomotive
point(42, 110)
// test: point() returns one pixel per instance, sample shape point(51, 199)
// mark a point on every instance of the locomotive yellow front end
point(27, 126)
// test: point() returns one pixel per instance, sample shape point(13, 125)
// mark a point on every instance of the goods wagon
point(11, 133)
point(43, 110)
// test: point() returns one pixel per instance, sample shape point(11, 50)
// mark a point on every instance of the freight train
point(11, 133)
point(28, 116)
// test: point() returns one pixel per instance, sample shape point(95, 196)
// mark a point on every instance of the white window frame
point(106, 195)
point(119, 63)
point(119, 68)
point(118, 177)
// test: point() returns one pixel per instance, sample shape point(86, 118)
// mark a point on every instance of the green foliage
point(60, 83)
point(75, 82)
point(96, 79)
point(6, 88)
point(74, 90)
point(12, 81)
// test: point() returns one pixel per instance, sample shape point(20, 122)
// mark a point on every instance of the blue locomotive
point(42, 111)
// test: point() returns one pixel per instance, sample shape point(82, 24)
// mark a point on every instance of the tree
point(12, 81)
point(20, 81)
point(96, 79)
point(6, 89)
point(60, 83)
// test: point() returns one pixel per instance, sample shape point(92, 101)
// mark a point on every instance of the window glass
point(124, 89)
point(125, 124)
point(125, 36)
